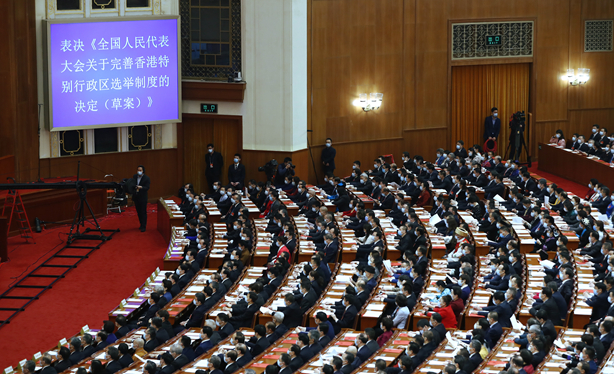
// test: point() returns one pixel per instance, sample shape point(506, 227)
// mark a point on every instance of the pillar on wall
point(275, 68)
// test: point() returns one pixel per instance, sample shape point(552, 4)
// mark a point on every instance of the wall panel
point(366, 35)
point(160, 165)
point(199, 130)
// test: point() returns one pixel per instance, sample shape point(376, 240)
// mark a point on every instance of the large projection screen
point(110, 72)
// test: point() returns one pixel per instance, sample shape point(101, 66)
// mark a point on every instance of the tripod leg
point(95, 220)
point(75, 222)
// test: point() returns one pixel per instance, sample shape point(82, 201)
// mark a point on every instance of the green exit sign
point(493, 39)
point(208, 108)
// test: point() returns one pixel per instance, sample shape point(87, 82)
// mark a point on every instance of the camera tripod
point(523, 144)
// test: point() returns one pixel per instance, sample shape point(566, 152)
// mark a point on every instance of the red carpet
point(563, 183)
point(87, 293)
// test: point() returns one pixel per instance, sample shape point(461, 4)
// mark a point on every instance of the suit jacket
point(474, 361)
point(214, 162)
point(141, 195)
point(324, 341)
point(236, 174)
point(494, 334)
point(226, 331)
point(49, 370)
point(151, 345)
point(423, 354)
point(600, 306)
point(168, 369)
point(231, 368)
point(347, 369)
point(306, 353)
point(261, 345)
point(88, 351)
point(114, 366)
point(364, 353)
point(328, 156)
point(292, 315)
point(162, 336)
point(286, 370)
point(296, 363)
point(491, 130)
point(245, 359)
point(62, 365)
point(126, 360)
point(308, 301)
point(204, 347)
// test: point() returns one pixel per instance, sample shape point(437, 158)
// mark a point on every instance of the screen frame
point(47, 71)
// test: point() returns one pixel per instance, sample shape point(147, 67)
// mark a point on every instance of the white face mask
point(210, 150)
point(139, 173)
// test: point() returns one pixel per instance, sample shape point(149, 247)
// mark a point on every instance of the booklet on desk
point(434, 220)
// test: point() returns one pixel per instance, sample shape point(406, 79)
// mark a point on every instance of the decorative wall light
point(374, 101)
point(575, 80)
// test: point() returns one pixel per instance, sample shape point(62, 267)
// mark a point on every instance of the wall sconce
point(575, 80)
point(373, 102)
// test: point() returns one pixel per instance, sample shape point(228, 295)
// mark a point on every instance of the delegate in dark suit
point(328, 157)
point(213, 163)
point(236, 174)
point(139, 197)
point(181, 361)
point(492, 126)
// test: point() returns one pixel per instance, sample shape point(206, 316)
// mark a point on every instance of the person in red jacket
point(282, 248)
point(457, 303)
point(354, 206)
point(425, 194)
point(448, 319)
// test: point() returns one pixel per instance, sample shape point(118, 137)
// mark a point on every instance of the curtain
point(478, 88)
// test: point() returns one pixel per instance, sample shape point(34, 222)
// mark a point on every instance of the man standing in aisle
point(140, 195)
point(214, 162)
point(236, 173)
point(328, 157)
point(492, 125)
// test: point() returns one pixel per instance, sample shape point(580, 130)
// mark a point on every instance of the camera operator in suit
point(139, 197)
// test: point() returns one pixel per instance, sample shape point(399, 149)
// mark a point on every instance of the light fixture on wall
point(575, 80)
point(372, 102)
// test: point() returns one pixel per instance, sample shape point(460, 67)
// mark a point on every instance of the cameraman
point(283, 170)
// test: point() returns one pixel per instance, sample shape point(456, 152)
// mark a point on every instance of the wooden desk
point(201, 362)
point(166, 218)
point(573, 166)
point(272, 353)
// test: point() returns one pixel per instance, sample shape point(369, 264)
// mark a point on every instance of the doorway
point(478, 88)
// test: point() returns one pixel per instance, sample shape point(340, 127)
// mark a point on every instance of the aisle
point(563, 183)
point(87, 293)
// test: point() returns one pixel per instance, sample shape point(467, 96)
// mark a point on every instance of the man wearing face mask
point(139, 197)
point(236, 173)
point(214, 163)
point(328, 156)
point(582, 146)
point(492, 125)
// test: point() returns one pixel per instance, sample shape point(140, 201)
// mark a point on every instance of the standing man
point(140, 195)
point(328, 157)
point(236, 173)
point(492, 125)
point(215, 162)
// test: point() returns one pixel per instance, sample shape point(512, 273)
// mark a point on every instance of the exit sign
point(493, 39)
point(208, 108)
